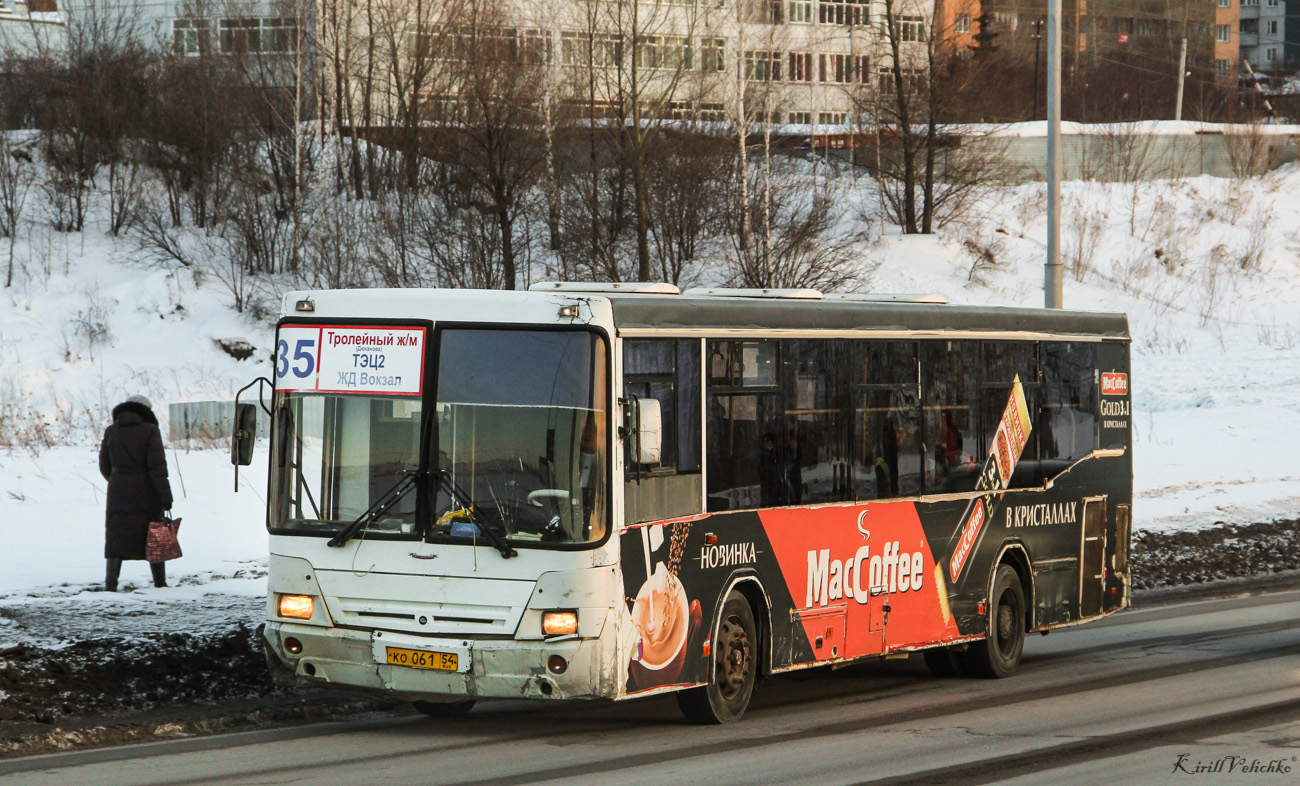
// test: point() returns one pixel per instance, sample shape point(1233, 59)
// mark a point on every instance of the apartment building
point(1143, 33)
point(1227, 39)
point(1262, 25)
point(806, 62)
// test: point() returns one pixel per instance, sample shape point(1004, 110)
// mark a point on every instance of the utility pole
point(1053, 285)
point(1182, 75)
point(1038, 36)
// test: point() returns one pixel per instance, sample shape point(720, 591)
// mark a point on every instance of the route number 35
point(303, 362)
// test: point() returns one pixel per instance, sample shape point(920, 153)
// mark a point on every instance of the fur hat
point(139, 399)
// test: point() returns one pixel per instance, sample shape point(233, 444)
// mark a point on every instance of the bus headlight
point(297, 607)
point(559, 623)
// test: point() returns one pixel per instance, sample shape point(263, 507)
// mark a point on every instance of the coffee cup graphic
point(664, 619)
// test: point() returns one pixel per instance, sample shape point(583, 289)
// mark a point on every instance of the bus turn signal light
point(297, 607)
point(560, 623)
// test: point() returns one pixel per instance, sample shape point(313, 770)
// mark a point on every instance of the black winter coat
point(131, 459)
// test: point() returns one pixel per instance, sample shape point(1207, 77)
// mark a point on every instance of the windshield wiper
point(467, 505)
point(381, 506)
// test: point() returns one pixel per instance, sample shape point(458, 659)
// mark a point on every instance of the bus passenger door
point(1092, 561)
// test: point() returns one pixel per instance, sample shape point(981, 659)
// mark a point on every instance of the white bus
point(611, 491)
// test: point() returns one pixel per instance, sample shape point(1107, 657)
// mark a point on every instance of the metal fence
point(207, 420)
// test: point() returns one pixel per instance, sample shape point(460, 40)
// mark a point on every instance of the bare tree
point(17, 174)
point(804, 247)
point(928, 172)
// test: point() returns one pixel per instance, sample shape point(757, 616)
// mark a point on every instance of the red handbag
point(161, 544)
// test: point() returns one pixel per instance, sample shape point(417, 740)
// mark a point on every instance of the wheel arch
point(752, 590)
point(1013, 553)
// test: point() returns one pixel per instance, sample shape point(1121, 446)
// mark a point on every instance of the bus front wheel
point(998, 655)
point(732, 668)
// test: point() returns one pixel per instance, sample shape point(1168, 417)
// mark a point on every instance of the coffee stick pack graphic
point(1004, 453)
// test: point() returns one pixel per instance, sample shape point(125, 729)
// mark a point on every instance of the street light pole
point(1182, 73)
point(1053, 296)
point(1038, 37)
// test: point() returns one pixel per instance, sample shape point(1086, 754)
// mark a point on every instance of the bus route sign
point(349, 359)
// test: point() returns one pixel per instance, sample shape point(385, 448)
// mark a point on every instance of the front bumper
point(490, 668)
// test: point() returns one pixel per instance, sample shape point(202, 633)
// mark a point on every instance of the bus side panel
point(1115, 431)
point(854, 580)
point(843, 581)
point(674, 577)
point(1045, 525)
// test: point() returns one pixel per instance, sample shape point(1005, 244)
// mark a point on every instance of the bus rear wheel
point(449, 709)
point(998, 655)
point(732, 668)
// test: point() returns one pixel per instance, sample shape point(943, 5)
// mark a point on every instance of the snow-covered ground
point(1208, 271)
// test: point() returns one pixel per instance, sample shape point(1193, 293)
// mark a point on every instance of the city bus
point(610, 491)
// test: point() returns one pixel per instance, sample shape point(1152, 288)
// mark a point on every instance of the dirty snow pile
point(1207, 269)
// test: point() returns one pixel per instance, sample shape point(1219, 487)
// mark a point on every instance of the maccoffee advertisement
point(843, 581)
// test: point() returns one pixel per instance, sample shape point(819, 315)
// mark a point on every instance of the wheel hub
point(732, 661)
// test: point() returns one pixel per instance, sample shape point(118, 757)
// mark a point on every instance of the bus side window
point(950, 387)
point(814, 379)
point(1067, 424)
point(668, 371)
point(1003, 362)
point(745, 450)
point(888, 453)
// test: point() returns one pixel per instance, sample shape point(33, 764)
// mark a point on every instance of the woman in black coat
point(131, 459)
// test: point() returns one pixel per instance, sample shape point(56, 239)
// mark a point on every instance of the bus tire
point(733, 668)
point(449, 709)
point(998, 654)
point(945, 662)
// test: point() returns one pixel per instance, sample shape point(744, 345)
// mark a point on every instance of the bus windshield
point(520, 435)
point(518, 446)
point(336, 455)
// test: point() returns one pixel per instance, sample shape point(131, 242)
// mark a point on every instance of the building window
point(1272, 27)
point(663, 52)
point(961, 25)
point(1222, 68)
point(913, 79)
point(766, 11)
point(801, 11)
point(801, 118)
point(597, 49)
point(1246, 3)
point(910, 28)
point(1222, 33)
point(832, 118)
point(801, 67)
point(763, 66)
point(1225, 3)
point(713, 54)
point(254, 35)
point(843, 12)
point(843, 69)
point(1270, 54)
point(191, 37)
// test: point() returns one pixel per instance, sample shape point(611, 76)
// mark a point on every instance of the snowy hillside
point(1208, 271)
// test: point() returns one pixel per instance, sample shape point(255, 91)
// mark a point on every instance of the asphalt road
point(1146, 697)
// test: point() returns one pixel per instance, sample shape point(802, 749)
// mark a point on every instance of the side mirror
point(241, 441)
point(650, 430)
